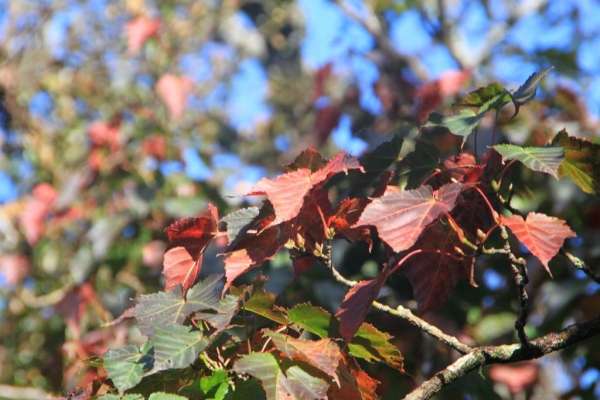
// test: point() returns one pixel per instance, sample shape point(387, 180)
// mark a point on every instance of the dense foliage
point(340, 276)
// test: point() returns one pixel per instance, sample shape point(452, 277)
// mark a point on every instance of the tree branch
point(504, 354)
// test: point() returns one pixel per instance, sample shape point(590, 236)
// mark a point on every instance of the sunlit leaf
point(541, 234)
point(401, 216)
point(581, 163)
point(541, 159)
point(188, 239)
point(481, 96)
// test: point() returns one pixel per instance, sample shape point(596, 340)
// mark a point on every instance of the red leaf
point(541, 234)
point(138, 31)
point(434, 273)
point(463, 168)
point(13, 268)
point(357, 304)
point(348, 213)
point(33, 219)
point(156, 147)
point(103, 134)
point(287, 192)
point(355, 384)
point(516, 377)
point(253, 250)
point(326, 120)
point(400, 216)
point(173, 91)
point(189, 238)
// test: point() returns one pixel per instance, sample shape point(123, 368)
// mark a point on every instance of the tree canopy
point(378, 194)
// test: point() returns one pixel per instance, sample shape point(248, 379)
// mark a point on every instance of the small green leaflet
point(541, 159)
point(479, 97)
point(465, 122)
point(526, 92)
point(581, 163)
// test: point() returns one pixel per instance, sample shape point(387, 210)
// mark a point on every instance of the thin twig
point(581, 265)
point(404, 314)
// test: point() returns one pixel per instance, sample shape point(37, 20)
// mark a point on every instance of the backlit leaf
point(324, 354)
point(189, 238)
point(481, 96)
point(541, 234)
point(401, 216)
point(541, 159)
point(581, 163)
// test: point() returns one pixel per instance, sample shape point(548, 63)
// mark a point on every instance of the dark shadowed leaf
point(541, 159)
point(401, 216)
point(309, 159)
point(418, 165)
point(527, 91)
point(436, 271)
point(376, 163)
point(581, 163)
point(541, 234)
point(357, 304)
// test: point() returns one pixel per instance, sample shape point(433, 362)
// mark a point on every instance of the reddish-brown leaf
point(541, 234)
point(436, 271)
point(287, 192)
point(253, 250)
point(33, 219)
point(138, 31)
point(13, 268)
point(309, 158)
point(357, 304)
point(173, 91)
point(326, 120)
point(517, 377)
point(400, 216)
point(463, 168)
point(347, 215)
point(188, 239)
point(103, 134)
point(355, 384)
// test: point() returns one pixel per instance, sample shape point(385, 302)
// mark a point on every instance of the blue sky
point(333, 37)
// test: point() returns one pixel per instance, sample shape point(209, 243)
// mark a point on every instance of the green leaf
point(373, 345)
point(247, 390)
point(227, 308)
point(177, 346)
point(162, 308)
point(368, 343)
point(260, 302)
point(465, 122)
point(418, 165)
point(205, 295)
point(237, 221)
point(541, 159)
point(315, 320)
point(126, 397)
point(481, 96)
point(581, 163)
point(125, 365)
point(376, 163)
point(215, 386)
point(165, 396)
point(295, 382)
point(527, 91)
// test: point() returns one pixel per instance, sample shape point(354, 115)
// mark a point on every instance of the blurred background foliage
point(119, 117)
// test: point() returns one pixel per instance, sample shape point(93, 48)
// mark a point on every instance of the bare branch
point(488, 355)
